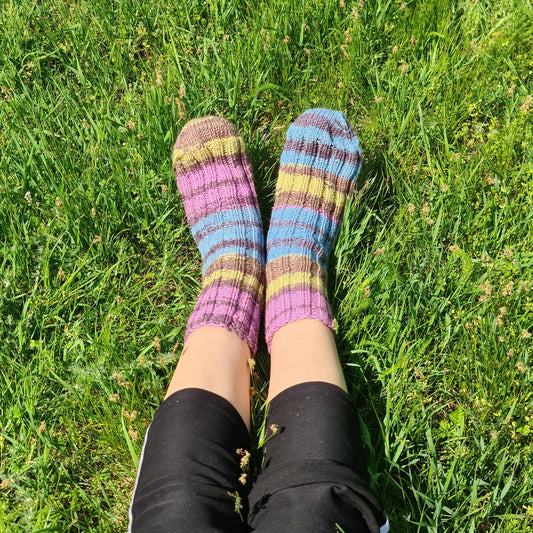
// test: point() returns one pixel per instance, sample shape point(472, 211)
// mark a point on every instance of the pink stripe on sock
point(296, 303)
point(230, 307)
point(192, 182)
point(233, 191)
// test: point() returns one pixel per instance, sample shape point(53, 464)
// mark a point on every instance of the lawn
point(432, 277)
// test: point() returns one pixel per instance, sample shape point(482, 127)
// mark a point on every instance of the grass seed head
point(134, 435)
point(526, 106)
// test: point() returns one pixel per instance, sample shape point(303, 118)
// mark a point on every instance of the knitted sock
point(214, 177)
point(318, 168)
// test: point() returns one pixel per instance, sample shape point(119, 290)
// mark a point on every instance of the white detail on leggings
point(130, 512)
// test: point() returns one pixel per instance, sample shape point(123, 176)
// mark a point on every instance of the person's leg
point(194, 454)
point(216, 360)
point(314, 474)
point(303, 351)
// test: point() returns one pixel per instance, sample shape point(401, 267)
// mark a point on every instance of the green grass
point(432, 277)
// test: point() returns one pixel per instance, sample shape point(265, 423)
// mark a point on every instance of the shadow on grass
point(377, 194)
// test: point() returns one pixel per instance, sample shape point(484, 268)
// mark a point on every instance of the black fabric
point(190, 466)
point(313, 478)
point(314, 475)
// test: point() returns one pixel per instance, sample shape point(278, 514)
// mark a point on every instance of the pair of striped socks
point(318, 168)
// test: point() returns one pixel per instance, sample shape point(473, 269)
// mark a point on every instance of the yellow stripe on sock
point(245, 280)
point(293, 279)
point(215, 148)
point(296, 183)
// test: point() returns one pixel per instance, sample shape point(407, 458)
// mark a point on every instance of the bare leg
point(216, 360)
point(303, 351)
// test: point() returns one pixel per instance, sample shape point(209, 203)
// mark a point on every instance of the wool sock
point(318, 168)
point(214, 177)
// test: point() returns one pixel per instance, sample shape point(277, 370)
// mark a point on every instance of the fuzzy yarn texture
point(318, 168)
point(214, 177)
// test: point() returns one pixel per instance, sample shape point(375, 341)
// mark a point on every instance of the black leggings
point(313, 477)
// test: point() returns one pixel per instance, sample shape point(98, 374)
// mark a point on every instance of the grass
point(432, 276)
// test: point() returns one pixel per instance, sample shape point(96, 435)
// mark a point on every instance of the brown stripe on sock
point(293, 263)
point(199, 131)
point(318, 121)
point(306, 201)
point(319, 149)
point(234, 261)
point(224, 205)
point(236, 244)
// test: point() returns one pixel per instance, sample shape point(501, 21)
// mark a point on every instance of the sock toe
point(323, 139)
point(201, 130)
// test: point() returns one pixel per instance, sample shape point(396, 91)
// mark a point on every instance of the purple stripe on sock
point(246, 330)
point(234, 192)
point(278, 318)
point(227, 168)
point(301, 293)
point(195, 188)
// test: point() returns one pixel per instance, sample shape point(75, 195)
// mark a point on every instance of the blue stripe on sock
point(349, 171)
point(276, 251)
point(312, 133)
point(295, 232)
point(288, 215)
point(214, 237)
point(236, 216)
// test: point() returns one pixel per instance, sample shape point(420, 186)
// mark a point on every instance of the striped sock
point(215, 181)
point(318, 169)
